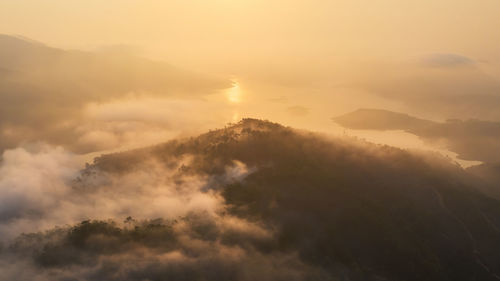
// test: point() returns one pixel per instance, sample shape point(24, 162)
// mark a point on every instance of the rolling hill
point(343, 209)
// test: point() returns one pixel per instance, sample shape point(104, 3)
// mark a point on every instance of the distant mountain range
point(471, 139)
point(43, 90)
point(101, 74)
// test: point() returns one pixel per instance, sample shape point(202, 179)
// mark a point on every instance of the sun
point(234, 94)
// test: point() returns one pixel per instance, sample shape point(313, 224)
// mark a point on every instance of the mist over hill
point(471, 139)
point(257, 201)
point(45, 91)
point(135, 141)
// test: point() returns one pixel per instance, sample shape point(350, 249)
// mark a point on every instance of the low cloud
point(447, 60)
point(44, 91)
point(194, 237)
point(42, 188)
point(195, 247)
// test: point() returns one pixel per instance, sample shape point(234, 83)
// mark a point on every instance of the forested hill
point(344, 208)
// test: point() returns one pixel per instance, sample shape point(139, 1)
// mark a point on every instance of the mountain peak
point(363, 206)
point(255, 124)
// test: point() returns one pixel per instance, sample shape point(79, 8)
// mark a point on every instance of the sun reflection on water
point(234, 94)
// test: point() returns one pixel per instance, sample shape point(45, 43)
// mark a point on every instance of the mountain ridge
point(374, 210)
point(45, 91)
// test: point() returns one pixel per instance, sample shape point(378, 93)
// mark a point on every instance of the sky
point(300, 63)
point(218, 33)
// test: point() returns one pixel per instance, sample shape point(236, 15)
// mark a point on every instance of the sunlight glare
point(234, 93)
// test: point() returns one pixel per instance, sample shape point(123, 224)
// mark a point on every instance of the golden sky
point(221, 32)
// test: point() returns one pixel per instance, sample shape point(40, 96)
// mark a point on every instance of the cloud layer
point(192, 238)
point(44, 92)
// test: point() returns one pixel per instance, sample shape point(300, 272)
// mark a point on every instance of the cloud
point(194, 247)
point(41, 188)
point(45, 91)
point(194, 236)
point(447, 60)
point(133, 122)
point(31, 186)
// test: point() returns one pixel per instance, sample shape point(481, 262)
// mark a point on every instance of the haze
point(296, 62)
point(249, 140)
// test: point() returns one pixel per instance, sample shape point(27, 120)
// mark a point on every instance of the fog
point(249, 140)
